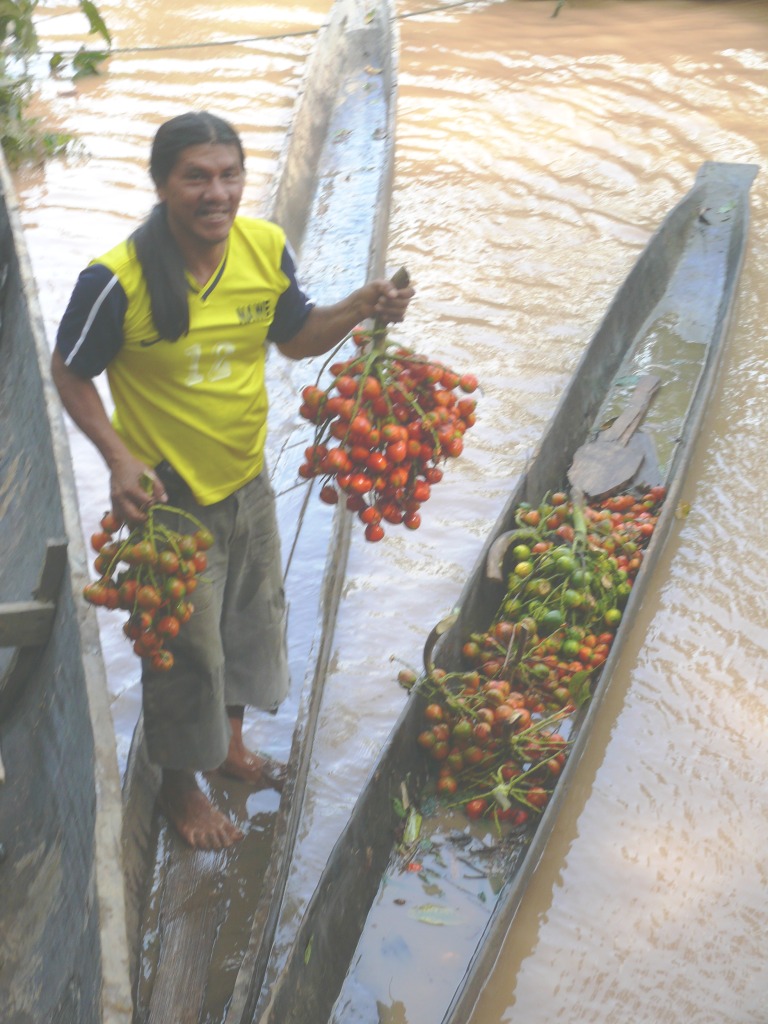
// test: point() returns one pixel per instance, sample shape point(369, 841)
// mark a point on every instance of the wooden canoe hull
point(63, 951)
point(342, 244)
point(690, 268)
point(331, 196)
point(689, 271)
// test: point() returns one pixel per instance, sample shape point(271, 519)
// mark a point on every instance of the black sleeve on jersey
point(293, 306)
point(91, 331)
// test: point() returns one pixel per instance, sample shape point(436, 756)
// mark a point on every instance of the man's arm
point(326, 326)
point(82, 401)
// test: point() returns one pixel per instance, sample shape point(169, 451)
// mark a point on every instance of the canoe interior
point(201, 924)
point(63, 955)
point(344, 244)
point(334, 177)
point(685, 280)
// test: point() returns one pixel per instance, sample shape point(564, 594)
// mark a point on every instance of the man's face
point(202, 194)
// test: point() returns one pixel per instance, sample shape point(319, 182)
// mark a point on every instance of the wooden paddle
point(611, 461)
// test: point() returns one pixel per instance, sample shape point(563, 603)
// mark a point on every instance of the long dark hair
point(156, 248)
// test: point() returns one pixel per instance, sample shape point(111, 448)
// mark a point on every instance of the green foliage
point(17, 26)
point(86, 62)
point(23, 137)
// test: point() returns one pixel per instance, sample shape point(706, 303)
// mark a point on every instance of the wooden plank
point(192, 914)
point(611, 462)
point(627, 422)
point(26, 623)
point(29, 623)
point(53, 570)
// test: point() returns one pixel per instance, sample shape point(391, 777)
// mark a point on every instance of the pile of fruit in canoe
point(150, 572)
point(383, 426)
point(494, 732)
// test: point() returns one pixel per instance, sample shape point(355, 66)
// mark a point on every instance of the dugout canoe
point(351, 961)
point(63, 953)
point(201, 924)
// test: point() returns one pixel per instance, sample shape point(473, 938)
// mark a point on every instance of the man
point(179, 315)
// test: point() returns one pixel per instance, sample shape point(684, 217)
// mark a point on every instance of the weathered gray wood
point(61, 893)
point(610, 462)
point(52, 574)
point(26, 623)
point(29, 623)
point(649, 473)
point(627, 422)
point(192, 913)
point(603, 468)
point(350, 206)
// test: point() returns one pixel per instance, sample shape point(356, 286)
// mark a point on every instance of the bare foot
point(259, 772)
point(193, 815)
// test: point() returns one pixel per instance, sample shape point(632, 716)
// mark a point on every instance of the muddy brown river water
point(534, 157)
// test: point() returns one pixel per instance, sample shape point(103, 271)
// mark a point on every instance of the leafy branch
point(23, 137)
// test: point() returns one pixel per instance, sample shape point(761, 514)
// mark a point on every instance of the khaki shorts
point(233, 649)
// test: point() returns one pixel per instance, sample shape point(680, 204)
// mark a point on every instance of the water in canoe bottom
point(434, 901)
point(680, 362)
point(199, 910)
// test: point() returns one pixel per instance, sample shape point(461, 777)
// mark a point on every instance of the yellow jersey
point(199, 402)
